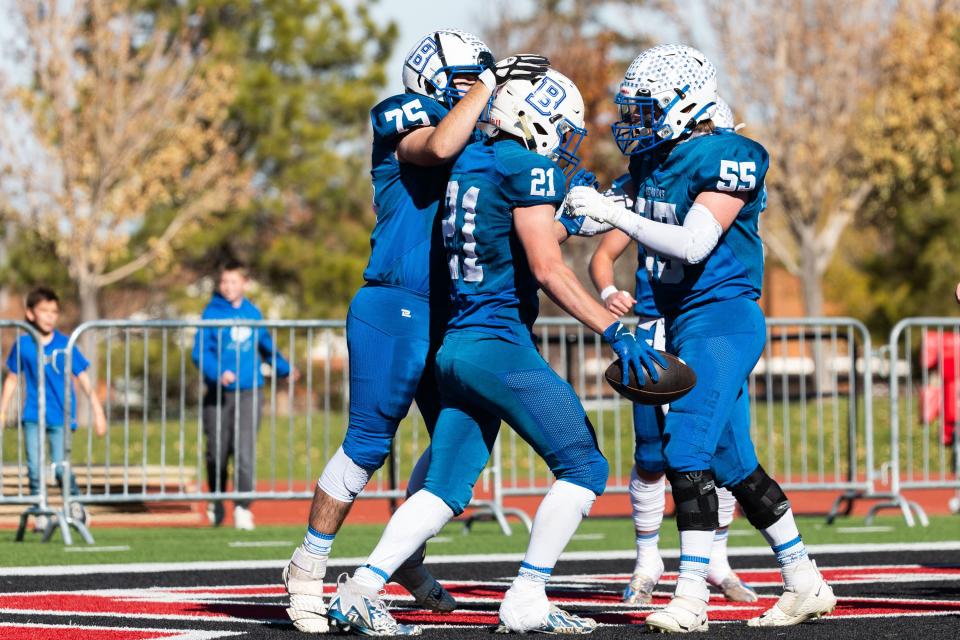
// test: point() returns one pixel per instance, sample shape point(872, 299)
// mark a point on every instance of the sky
point(415, 18)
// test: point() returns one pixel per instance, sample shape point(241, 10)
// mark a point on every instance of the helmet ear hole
point(539, 128)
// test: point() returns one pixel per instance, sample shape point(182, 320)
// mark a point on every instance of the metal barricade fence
point(923, 445)
point(17, 341)
point(810, 410)
point(155, 444)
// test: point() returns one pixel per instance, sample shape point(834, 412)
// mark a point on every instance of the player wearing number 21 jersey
point(502, 245)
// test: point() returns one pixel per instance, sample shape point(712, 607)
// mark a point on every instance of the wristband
point(488, 78)
point(608, 291)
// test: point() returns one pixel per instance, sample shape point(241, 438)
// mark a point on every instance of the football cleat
point(360, 610)
point(525, 608)
point(639, 590)
point(686, 613)
point(736, 590)
point(303, 579)
point(427, 592)
point(799, 604)
point(557, 621)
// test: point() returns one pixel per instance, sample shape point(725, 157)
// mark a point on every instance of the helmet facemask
point(665, 93)
point(431, 66)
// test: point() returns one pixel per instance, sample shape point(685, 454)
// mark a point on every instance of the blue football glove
point(583, 178)
point(635, 354)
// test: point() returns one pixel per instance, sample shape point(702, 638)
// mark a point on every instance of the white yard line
point(625, 554)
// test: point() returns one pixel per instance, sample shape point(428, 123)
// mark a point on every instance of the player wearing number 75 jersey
point(393, 321)
point(503, 245)
point(700, 192)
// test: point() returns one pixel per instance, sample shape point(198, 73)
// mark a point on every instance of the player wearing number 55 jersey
point(699, 192)
point(503, 244)
point(449, 76)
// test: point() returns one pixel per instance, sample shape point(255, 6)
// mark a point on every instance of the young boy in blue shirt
point(230, 359)
point(43, 311)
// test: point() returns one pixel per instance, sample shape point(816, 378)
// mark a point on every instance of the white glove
point(580, 225)
point(584, 201)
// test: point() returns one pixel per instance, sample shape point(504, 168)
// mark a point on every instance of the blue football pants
point(709, 428)
point(391, 365)
point(485, 379)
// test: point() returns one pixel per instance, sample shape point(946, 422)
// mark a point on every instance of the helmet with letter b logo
point(430, 66)
point(547, 116)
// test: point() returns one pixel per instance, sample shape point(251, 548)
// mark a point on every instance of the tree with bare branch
point(126, 123)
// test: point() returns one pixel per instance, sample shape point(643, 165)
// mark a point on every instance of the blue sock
point(319, 544)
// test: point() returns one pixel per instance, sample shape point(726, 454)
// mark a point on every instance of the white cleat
point(799, 604)
point(640, 589)
point(686, 613)
point(736, 590)
point(425, 589)
point(357, 609)
point(526, 609)
point(303, 579)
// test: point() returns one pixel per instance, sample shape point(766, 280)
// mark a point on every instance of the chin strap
point(528, 139)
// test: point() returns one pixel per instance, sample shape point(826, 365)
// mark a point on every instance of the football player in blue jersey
point(449, 77)
point(503, 245)
point(647, 476)
point(700, 192)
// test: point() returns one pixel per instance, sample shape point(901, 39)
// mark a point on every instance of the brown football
point(674, 383)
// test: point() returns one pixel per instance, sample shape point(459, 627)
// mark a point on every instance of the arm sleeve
point(268, 350)
point(399, 114)
point(78, 363)
point(539, 181)
point(205, 345)
point(13, 360)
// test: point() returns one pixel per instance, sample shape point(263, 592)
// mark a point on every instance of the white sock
point(719, 564)
point(318, 544)
point(694, 556)
point(647, 500)
point(416, 521)
point(556, 521)
point(726, 504)
point(784, 538)
point(417, 479)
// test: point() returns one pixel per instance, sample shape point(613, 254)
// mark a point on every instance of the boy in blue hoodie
point(229, 359)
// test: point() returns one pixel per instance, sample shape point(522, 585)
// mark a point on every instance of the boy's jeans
point(31, 437)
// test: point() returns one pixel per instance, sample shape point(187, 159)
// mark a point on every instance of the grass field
point(276, 543)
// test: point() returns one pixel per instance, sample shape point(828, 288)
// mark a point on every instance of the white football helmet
point(430, 66)
point(723, 115)
point(548, 116)
point(666, 91)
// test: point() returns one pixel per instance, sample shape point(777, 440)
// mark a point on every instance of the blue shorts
point(709, 428)
point(391, 365)
point(484, 380)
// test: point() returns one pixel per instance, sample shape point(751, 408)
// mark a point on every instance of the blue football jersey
point(666, 189)
point(406, 197)
point(493, 290)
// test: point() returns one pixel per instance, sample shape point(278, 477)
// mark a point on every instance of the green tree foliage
point(308, 72)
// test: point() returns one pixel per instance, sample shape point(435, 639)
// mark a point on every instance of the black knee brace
point(761, 498)
point(695, 496)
